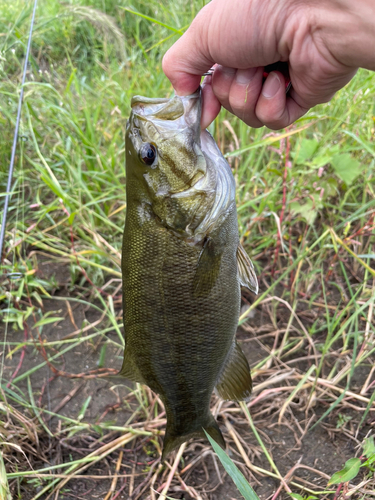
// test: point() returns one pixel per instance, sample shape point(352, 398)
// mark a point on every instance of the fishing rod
point(15, 139)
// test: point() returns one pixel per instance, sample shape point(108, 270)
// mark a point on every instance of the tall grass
point(306, 208)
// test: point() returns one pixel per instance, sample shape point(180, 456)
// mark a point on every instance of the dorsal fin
point(246, 272)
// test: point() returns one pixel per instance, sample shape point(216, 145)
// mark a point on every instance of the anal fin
point(234, 383)
point(246, 272)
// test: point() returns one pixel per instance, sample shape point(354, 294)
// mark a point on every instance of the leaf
point(297, 496)
point(97, 429)
point(71, 218)
point(306, 150)
point(308, 210)
point(84, 408)
point(348, 473)
point(238, 478)
point(4, 486)
point(321, 160)
point(346, 167)
point(369, 447)
point(369, 462)
point(46, 321)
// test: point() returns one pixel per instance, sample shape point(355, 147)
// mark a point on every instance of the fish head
point(165, 159)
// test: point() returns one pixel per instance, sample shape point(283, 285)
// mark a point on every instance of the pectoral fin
point(207, 269)
point(246, 271)
point(234, 383)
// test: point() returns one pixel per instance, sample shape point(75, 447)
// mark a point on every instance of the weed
point(306, 206)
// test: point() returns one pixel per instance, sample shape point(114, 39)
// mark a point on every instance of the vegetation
point(306, 206)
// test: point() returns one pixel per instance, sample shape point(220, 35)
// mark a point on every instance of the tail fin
point(173, 441)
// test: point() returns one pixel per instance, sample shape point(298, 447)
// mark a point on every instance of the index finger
point(186, 61)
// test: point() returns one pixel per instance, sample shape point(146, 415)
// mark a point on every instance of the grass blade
point(148, 18)
point(238, 478)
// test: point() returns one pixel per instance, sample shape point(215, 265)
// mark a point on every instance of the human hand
point(323, 41)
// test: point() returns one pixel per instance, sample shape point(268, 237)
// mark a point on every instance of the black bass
point(183, 266)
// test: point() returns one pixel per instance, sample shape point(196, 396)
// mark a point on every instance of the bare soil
point(318, 453)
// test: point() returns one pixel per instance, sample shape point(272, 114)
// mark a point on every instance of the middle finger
point(238, 91)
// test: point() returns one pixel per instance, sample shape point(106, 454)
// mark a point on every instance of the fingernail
point(207, 80)
point(244, 76)
point(226, 71)
point(271, 85)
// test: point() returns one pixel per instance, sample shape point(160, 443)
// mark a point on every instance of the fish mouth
point(179, 111)
point(157, 101)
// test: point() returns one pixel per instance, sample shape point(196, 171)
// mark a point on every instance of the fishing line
point(15, 137)
point(13, 275)
point(16, 275)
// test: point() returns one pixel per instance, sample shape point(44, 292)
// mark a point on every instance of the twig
point(115, 477)
point(265, 451)
point(96, 456)
point(172, 472)
point(14, 374)
point(287, 476)
point(233, 433)
point(146, 480)
point(337, 494)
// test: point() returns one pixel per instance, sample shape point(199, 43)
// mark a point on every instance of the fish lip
point(138, 99)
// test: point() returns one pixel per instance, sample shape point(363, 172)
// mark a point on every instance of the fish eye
point(148, 153)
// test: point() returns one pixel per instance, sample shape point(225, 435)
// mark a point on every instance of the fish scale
point(182, 267)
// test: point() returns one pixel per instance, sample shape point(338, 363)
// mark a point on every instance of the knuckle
point(221, 93)
point(273, 118)
point(241, 101)
point(254, 123)
point(274, 122)
point(276, 125)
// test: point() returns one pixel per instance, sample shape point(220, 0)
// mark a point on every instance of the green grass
point(314, 251)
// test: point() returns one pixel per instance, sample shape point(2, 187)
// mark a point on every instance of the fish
point(183, 267)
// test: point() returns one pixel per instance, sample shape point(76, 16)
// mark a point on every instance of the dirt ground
point(314, 454)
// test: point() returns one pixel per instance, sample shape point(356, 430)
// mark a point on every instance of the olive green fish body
point(180, 267)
